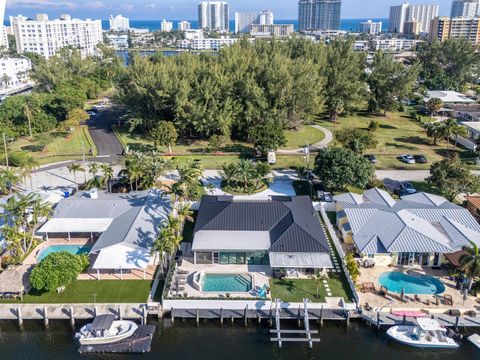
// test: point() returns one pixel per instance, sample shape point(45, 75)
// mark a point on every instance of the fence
point(341, 253)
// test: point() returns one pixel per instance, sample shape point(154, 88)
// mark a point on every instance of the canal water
point(184, 341)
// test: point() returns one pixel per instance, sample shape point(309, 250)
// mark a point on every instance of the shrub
point(18, 158)
point(57, 269)
point(373, 126)
point(352, 267)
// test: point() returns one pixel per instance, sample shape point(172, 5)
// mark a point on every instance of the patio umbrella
point(402, 295)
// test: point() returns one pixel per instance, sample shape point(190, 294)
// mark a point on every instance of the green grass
point(56, 145)
point(298, 139)
point(397, 134)
point(81, 291)
point(295, 290)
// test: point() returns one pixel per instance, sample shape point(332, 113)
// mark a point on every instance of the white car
point(408, 159)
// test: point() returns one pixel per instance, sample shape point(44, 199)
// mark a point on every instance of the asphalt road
point(100, 128)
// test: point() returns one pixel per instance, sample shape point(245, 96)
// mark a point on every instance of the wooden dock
point(139, 342)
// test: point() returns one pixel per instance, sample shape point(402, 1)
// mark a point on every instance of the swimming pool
point(422, 284)
point(226, 283)
point(72, 249)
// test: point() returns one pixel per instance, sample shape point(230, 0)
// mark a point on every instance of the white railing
point(338, 246)
point(232, 304)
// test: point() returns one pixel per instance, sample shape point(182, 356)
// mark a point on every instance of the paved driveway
point(100, 128)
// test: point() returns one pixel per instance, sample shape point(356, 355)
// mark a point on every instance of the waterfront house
point(121, 227)
point(418, 229)
point(281, 232)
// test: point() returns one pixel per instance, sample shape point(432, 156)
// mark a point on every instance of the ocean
point(154, 25)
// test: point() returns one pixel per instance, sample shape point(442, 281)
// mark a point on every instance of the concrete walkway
point(313, 147)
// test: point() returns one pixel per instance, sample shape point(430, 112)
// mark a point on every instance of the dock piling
point(245, 311)
point(347, 322)
point(119, 313)
point(95, 311)
point(197, 315)
point(378, 320)
point(221, 316)
point(321, 316)
point(171, 314)
point(144, 315)
point(20, 318)
point(457, 320)
point(299, 322)
point(72, 318)
point(45, 317)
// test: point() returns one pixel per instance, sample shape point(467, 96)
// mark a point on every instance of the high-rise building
point(243, 22)
point(166, 25)
point(184, 25)
point(266, 18)
point(464, 8)
point(119, 23)
point(213, 15)
point(371, 27)
point(16, 71)
point(319, 14)
point(45, 37)
point(444, 28)
point(3, 32)
point(412, 27)
point(424, 14)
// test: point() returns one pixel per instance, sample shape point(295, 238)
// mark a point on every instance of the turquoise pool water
point(226, 283)
point(422, 284)
point(72, 249)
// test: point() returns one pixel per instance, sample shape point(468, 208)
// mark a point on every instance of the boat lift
point(307, 332)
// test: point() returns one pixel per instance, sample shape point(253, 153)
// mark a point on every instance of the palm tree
point(435, 130)
point(8, 178)
point(39, 210)
point(5, 80)
point(107, 175)
point(470, 263)
point(245, 173)
point(29, 166)
point(73, 168)
point(457, 131)
point(93, 169)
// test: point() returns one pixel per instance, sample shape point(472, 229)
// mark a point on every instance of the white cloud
point(95, 5)
point(39, 4)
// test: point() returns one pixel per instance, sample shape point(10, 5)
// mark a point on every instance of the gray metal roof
point(292, 222)
point(300, 260)
point(417, 223)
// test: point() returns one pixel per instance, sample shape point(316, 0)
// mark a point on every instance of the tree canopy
point(339, 168)
point(57, 269)
point(357, 140)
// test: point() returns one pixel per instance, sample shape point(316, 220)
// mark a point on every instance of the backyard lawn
point(56, 145)
point(81, 291)
point(397, 134)
point(295, 290)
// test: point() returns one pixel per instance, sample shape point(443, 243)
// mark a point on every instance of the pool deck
point(393, 301)
point(261, 276)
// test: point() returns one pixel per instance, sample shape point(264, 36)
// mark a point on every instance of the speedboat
point(106, 330)
point(427, 334)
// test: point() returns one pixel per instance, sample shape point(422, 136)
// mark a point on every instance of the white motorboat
point(106, 330)
point(427, 334)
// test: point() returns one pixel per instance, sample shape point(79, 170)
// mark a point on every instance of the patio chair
point(383, 291)
point(437, 301)
point(368, 287)
point(455, 312)
point(447, 299)
point(417, 298)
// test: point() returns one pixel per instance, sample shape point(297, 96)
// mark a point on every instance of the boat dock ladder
point(307, 332)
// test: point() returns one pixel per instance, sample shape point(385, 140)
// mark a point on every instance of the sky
point(187, 9)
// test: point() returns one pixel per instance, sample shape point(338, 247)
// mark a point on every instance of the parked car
point(325, 196)
point(408, 159)
point(371, 158)
point(405, 188)
point(421, 159)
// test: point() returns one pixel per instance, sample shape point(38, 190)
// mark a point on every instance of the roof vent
point(93, 194)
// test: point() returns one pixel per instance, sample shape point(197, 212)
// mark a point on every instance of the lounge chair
point(417, 298)
point(368, 287)
point(383, 291)
point(437, 301)
point(447, 299)
point(455, 312)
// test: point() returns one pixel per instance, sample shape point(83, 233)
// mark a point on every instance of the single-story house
point(417, 229)
point(125, 226)
point(282, 232)
point(473, 205)
point(448, 97)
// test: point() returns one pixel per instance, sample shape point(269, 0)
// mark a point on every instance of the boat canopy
point(102, 322)
point(428, 324)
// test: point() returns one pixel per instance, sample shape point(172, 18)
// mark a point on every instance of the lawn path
point(314, 147)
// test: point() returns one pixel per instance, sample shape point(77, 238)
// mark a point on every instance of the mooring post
point(299, 322)
point(348, 318)
point(144, 315)
point(270, 320)
point(20, 318)
point(159, 312)
point(221, 316)
point(95, 311)
point(231, 318)
point(457, 320)
point(321, 316)
point(245, 315)
point(198, 316)
point(119, 313)
point(259, 319)
point(45, 317)
point(378, 320)
point(171, 315)
point(72, 317)
point(404, 319)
